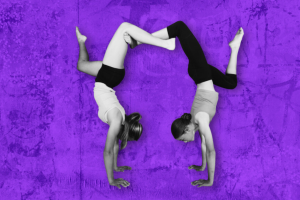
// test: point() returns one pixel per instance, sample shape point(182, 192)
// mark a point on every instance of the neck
point(194, 126)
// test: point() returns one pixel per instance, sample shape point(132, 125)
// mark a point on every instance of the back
point(205, 101)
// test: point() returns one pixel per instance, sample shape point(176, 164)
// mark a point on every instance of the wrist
point(111, 180)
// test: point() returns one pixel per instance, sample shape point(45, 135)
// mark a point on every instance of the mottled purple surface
point(52, 141)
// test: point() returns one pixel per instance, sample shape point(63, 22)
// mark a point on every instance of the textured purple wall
point(51, 140)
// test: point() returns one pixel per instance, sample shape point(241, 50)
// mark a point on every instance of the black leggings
point(199, 70)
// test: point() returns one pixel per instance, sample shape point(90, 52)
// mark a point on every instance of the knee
point(233, 85)
point(124, 25)
point(180, 23)
point(79, 65)
point(231, 80)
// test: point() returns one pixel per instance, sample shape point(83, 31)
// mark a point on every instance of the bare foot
point(171, 44)
point(129, 40)
point(236, 42)
point(80, 38)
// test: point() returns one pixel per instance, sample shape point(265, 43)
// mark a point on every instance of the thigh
point(193, 50)
point(188, 41)
point(116, 50)
point(90, 68)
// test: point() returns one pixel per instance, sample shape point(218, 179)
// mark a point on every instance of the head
point(131, 130)
point(183, 129)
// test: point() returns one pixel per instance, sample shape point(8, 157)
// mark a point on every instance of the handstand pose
point(109, 73)
point(206, 98)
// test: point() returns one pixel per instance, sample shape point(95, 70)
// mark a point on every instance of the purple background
point(52, 141)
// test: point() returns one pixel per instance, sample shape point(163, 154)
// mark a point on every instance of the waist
point(206, 85)
point(201, 90)
point(102, 86)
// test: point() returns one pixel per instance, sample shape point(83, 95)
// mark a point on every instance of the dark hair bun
point(186, 116)
point(178, 125)
point(132, 129)
point(134, 117)
point(135, 128)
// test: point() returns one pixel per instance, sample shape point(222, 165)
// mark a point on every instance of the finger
point(195, 184)
point(118, 186)
point(125, 167)
point(124, 184)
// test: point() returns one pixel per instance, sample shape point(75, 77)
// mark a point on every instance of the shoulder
point(202, 118)
point(114, 117)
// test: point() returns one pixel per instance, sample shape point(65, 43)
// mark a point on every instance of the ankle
point(235, 49)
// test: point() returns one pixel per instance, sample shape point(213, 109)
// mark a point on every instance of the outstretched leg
point(235, 46)
point(84, 65)
point(229, 80)
point(117, 48)
point(179, 29)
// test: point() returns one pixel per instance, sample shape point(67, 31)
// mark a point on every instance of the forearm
point(203, 149)
point(211, 162)
point(116, 151)
point(108, 161)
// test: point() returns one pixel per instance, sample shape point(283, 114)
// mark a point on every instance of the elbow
point(78, 67)
point(108, 152)
point(203, 146)
point(211, 152)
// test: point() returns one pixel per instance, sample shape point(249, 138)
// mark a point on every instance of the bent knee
point(124, 25)
point(233, 85)
point(79, 66)
point(181, 23)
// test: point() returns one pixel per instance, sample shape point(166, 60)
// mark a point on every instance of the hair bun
point(132, 129)
point(186, 116)
point(134, 117)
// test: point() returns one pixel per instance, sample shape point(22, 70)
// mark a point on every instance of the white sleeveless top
point(107, 100)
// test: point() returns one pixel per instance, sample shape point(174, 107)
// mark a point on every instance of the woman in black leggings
point(206, 98)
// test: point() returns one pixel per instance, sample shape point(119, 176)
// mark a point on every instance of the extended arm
point(116, 151)
point(204, 129)
point(203, 150)
point(210, 154)
point(109, 151)
point(115, 122)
